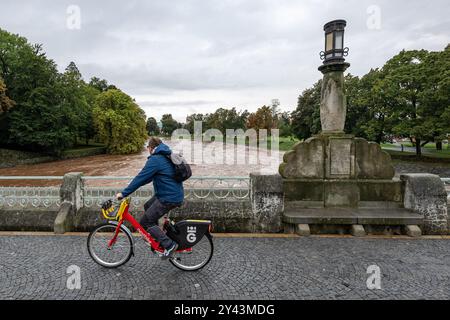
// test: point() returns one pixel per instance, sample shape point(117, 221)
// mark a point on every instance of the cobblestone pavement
point(35, 267)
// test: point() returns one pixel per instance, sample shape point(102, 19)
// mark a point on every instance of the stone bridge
point(72, 202)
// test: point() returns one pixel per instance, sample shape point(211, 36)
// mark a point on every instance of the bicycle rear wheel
point(197, 258)
point(109, 257)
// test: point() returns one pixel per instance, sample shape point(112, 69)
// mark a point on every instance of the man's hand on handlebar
point(119, 196)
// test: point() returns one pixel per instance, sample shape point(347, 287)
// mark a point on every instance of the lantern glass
point(329, 42)
point(339, 40)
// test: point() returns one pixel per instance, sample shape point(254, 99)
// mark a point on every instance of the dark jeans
point(154, 210)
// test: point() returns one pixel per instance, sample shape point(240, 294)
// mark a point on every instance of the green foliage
point(74, 100)
point(120, 122)
point(152, 127)
point(417, 84)
point(39, 121)
point(52, 110)
point(264, 118)
point(5, 102)
point(101, 84)
point(223, 119)
point(306, 118)
point(284, 125)
point(169, 124)
point(190, 119)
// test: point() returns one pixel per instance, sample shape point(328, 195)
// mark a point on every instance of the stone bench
point(351, 220)
point(394, 216)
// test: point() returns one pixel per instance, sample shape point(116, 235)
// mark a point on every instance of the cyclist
point(169, 193)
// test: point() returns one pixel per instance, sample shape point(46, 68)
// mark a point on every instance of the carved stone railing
point(207, 188)
point(97, 189)
point(30, 196)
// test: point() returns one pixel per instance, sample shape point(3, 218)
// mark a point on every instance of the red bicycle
point(112, 244)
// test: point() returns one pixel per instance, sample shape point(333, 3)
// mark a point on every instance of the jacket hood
point(162, 149)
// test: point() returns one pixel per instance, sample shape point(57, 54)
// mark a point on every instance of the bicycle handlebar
point(107, 203)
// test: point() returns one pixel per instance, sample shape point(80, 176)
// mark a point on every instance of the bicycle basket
point(112, 210)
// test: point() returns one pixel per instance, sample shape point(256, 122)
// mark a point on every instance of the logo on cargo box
point(191, 234)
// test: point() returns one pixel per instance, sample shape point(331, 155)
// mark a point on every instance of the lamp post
point(333, 108)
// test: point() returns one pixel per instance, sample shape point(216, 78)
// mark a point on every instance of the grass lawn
point(444, 154)
point(430, 145)
point(286, 143)
point(431, 151)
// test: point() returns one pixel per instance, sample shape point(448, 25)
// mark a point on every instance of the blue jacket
point(160, 170)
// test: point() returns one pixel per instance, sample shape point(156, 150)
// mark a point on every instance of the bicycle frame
point(126, 216)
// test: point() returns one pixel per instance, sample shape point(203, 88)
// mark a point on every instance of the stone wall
point(19, 219)
point(226, 215)
point(260, 212)
point(426, 195)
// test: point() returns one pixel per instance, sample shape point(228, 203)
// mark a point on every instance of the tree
point(404, 81)
point(87, 127)
point(275, 107)
point(101, 84)
point(263, 118)
point(152, 127)
point(416, 84)
point(284, 124)
point(435, 96)
point(306, 118)
point(282, 119)
point(190, 121)
point(370, 109)
point(5, 102)
point(38, 122)
point(169, 124)
point(74, 99)
point(120, 122)
point(223, 119)
point(356, 111)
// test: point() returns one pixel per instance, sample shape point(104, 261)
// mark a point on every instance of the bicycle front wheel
point(105, 254)
point(196, 257)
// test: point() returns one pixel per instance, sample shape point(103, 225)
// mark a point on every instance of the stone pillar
point(333, 108)
point(426, 195)
point(71, 196)
point(266, 197)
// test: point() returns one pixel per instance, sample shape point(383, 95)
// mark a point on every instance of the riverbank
point(11, 158)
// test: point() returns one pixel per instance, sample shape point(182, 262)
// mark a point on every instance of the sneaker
point(168, 253)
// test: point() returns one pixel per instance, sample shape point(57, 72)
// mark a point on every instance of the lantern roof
point(335, 25)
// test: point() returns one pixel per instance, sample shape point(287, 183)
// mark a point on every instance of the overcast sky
point(183, 56)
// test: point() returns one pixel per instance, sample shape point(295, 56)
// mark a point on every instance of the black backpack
point(182, 169)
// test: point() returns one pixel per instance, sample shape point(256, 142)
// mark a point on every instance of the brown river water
point(130, 165)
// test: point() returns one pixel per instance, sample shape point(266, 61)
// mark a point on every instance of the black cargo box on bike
point(188, 232)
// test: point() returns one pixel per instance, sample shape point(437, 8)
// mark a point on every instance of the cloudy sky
point(186, 56)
